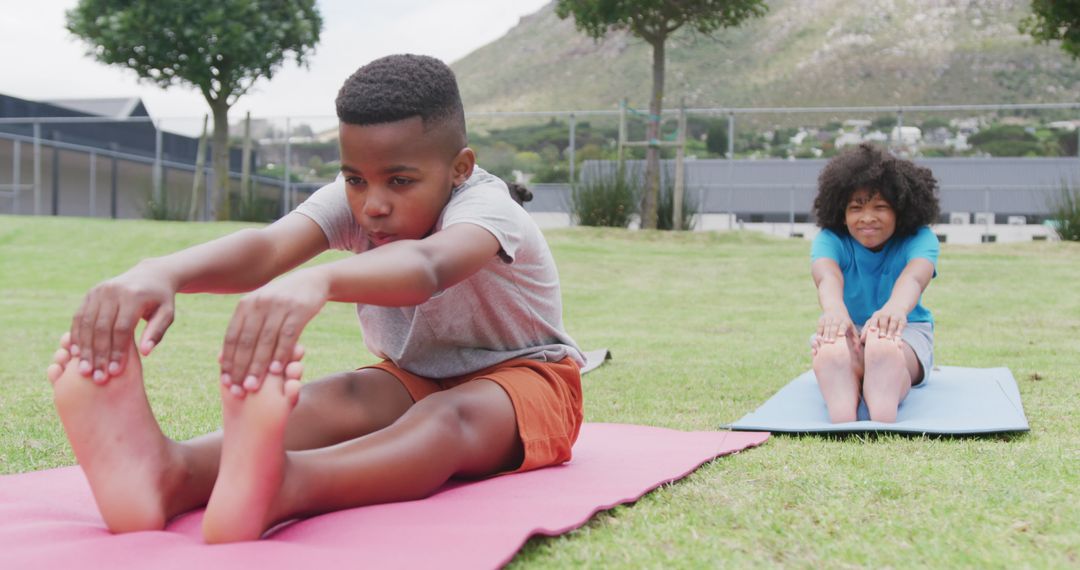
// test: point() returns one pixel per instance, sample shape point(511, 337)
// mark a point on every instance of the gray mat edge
point(1011, 393)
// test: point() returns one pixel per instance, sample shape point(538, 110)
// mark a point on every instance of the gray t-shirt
point(511, 308)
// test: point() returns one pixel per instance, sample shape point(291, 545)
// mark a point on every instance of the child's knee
point(446, 411)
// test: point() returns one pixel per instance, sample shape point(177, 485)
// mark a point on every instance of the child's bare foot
point(253, 462)
point(132, 467)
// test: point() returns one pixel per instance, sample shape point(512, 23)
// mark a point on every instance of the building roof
point(115, 107)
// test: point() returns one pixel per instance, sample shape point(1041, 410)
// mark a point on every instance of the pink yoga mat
point(48, 518)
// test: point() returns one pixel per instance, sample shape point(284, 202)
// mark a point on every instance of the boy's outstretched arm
point(241, 261)
point(829, 280)
point(890, 320)
point(268, 321)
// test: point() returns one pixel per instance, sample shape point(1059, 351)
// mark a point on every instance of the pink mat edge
point(545, 532)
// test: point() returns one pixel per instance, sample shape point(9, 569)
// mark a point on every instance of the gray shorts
point(920, 337)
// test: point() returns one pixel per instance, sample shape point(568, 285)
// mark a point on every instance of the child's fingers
point(159, 322)
point(287, 336)
point(102, 344)
point(264, 349)
point(294, 371)
point(246, 343)
point(83, 331)
point(895, 327)
point(123, 331)
point(228, 348)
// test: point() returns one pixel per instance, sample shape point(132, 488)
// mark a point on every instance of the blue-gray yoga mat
point(954, 401)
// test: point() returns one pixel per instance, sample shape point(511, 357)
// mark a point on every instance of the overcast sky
point(42, 60)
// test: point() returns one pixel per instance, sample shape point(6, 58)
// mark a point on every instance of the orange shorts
point(546, 397)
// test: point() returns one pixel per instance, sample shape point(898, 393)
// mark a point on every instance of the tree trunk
point(247, 197)
point(200, 171)
point(652, 153)
point(219, 199)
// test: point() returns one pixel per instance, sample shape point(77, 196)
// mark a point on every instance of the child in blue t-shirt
point(871, 263)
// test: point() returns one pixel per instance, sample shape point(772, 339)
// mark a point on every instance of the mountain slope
point(802, 53)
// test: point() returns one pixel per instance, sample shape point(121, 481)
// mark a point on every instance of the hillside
point(802, 53)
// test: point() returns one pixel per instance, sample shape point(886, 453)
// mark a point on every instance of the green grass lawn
point(703, 328)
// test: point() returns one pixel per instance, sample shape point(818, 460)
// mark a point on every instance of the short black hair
point(399, 87)
point(910, 189)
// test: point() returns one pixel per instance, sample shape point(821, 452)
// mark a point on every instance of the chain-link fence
point(760, 164)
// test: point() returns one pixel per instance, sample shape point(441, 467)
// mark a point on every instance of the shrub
point(1066, 212)
point(608, 199)
point(666, 207)
point(163, 210)
point(254, 208)
point(1006, 140)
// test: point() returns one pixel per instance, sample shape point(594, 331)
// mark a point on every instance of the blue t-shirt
point(869, 276)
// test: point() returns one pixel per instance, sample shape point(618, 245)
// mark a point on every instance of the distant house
point(938, 136)
point(131, 131)
point(847, 139)
point(908, 136)
point(876, 137)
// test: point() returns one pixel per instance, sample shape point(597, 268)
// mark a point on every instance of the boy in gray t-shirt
point(455, 289)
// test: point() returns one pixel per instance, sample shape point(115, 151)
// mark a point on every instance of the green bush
point(716, 138)
point(1066, 212)
point(163, 209)
point(666, 208)
point(254, 208)
point(608, 200)
point(1006, 140)
point(1067, 143)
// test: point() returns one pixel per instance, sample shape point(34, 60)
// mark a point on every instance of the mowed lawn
point(703, 328)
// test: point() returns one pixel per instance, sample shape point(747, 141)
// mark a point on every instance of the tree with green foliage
point(716, 139)
point(220, 47)
point(1006, 140)
point(655, 21)
point(1052, 20)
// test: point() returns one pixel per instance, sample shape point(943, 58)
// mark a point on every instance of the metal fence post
point(730, 166)
point(93, 184)
point(573, 146)
point(16, 175)
point(791, 211)
point(56, 174)
point(288, 159)
point(157, 165)
point(112, 188)
point(900, 128)
point(622, 132)
point(680, 175)
point(730, 135)
point(37, 168)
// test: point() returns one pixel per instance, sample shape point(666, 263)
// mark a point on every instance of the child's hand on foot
point(293, 370)
point(266, 326)
point(833, 325)
point(886, 322)
point(104, 325)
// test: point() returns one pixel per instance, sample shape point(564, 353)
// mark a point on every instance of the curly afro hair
point(519, 192)
point(398, 87)
point(911, 190)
